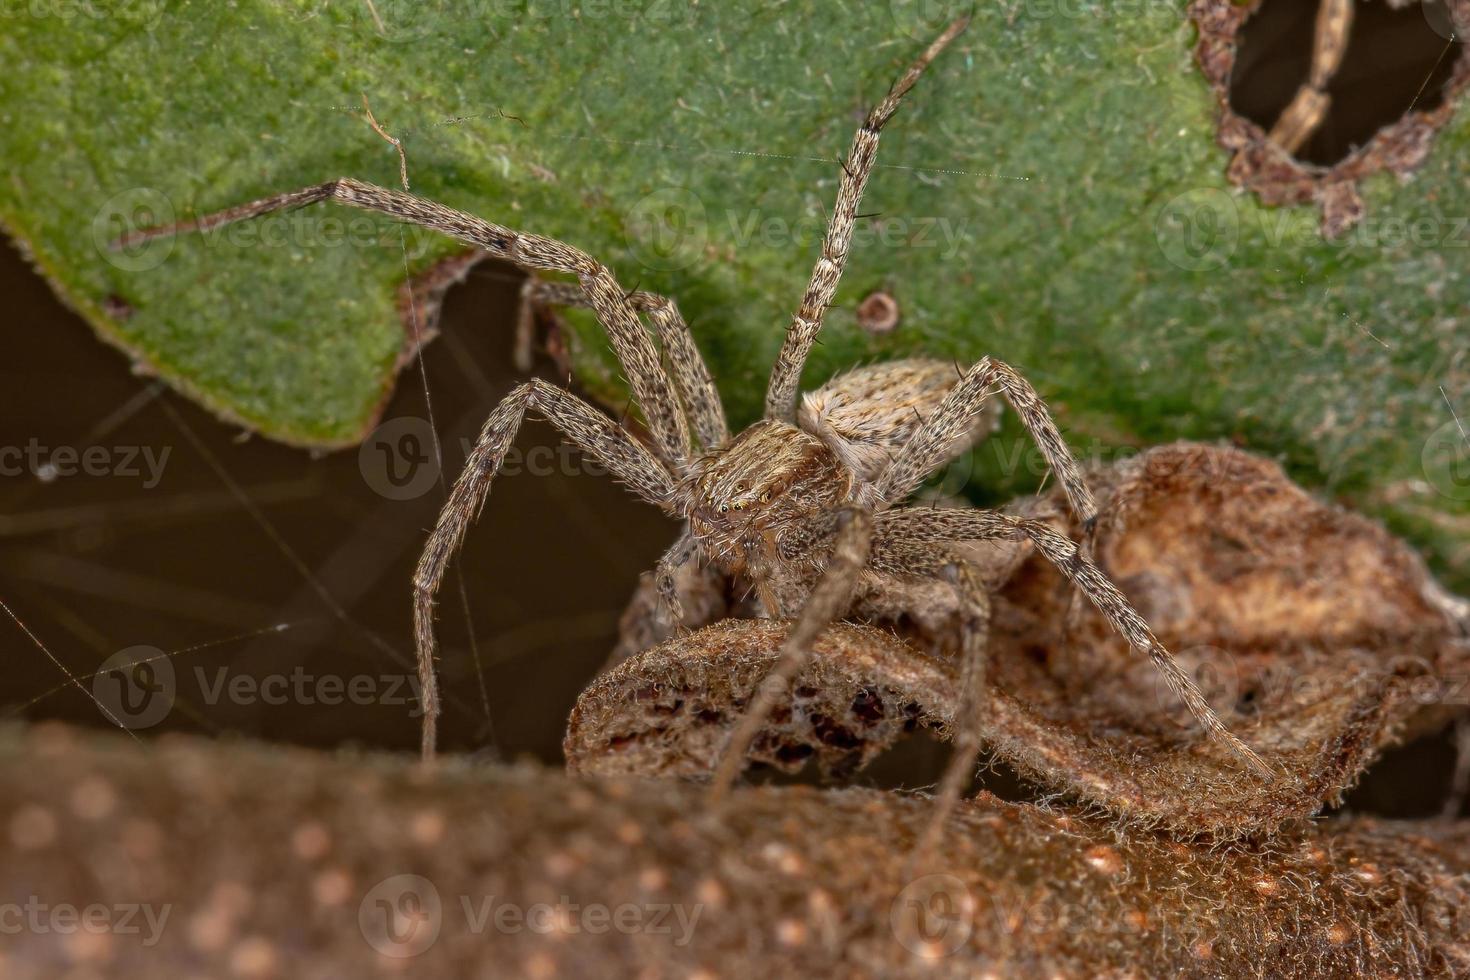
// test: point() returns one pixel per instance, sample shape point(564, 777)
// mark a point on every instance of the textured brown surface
point(268, 863)
point(1321, 636)
point(668, 711)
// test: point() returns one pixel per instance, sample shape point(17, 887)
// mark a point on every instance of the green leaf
point(1051, 193)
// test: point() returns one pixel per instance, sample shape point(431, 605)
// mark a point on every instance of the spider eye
point(724, 508)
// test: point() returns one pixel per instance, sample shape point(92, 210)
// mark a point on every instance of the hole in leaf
point(1396, 61)
point(1410, 781)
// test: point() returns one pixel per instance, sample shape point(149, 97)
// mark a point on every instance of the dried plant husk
point(287, 862)
point(667, 712)
point(1320, 638)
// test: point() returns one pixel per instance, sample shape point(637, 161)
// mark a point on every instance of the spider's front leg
point(686, 368)
point(649, 470)
point(923, 525)
point(895, 553)
point(635, 350)
point(931, 446)
point(670, 610)
point(828, 600)
point(806, 322)
point(588, 429)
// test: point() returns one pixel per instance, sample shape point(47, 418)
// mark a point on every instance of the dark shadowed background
point(239, 535)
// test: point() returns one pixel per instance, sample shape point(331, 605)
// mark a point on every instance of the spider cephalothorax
point(767, 480)
point(808, 513)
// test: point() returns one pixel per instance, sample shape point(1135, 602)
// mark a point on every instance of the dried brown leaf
point(1321, 637)
point(668, 711)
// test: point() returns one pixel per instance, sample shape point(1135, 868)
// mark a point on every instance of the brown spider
point(803, 503)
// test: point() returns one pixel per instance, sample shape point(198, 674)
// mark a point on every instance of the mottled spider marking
point(767, 479)
point(770, 481)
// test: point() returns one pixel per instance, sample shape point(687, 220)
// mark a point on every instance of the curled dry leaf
point(668, 711)
point(1319, 637)
point(238, 860)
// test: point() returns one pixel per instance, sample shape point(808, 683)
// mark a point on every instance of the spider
point(806, 503)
